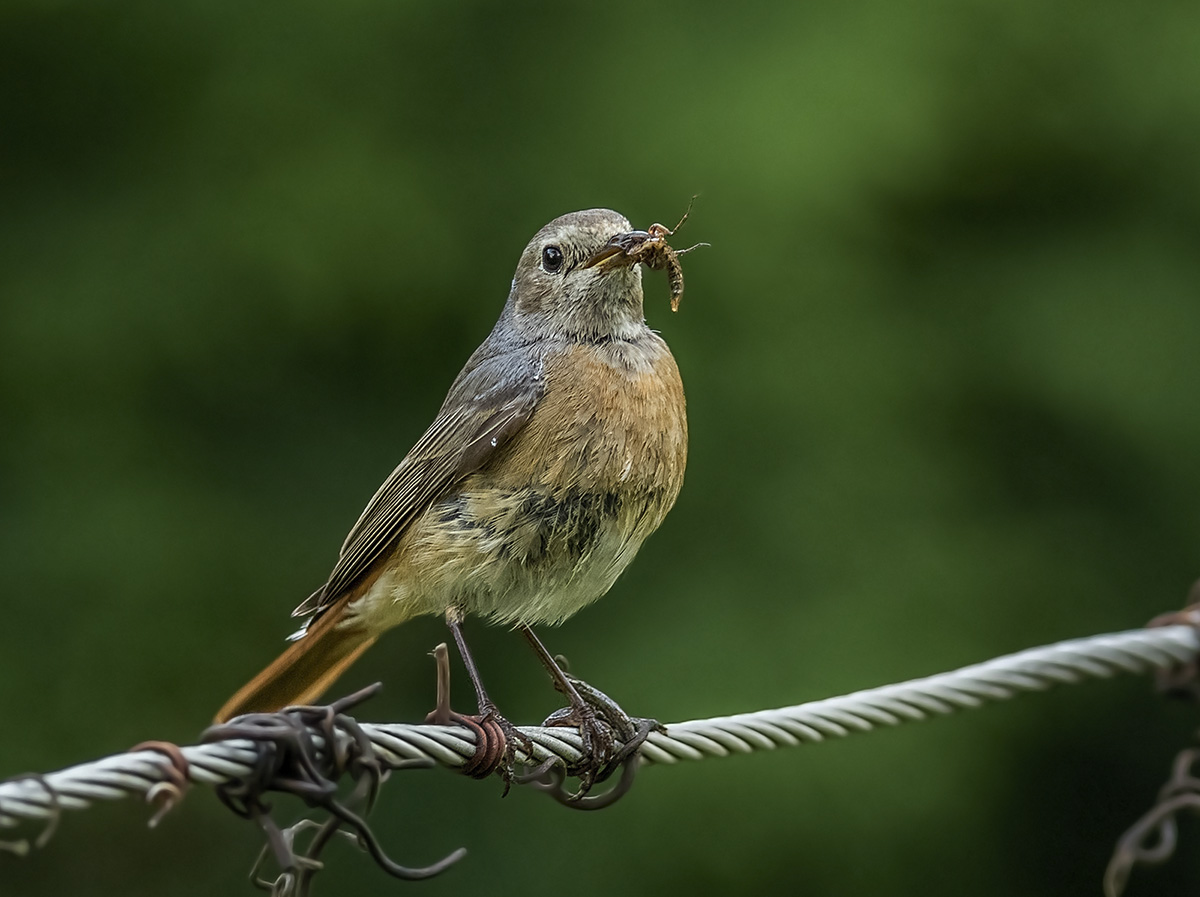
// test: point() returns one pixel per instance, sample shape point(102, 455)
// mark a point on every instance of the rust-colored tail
point(302, 673)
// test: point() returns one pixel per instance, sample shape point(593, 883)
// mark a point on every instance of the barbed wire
point(160, 773)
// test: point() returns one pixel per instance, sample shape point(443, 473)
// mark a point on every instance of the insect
point(650, 247)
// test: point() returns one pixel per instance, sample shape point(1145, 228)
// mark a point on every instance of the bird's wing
point(469, 429)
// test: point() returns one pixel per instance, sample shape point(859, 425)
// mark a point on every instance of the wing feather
point(468, 431)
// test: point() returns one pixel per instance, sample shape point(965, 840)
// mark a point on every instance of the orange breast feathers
point(615, 422)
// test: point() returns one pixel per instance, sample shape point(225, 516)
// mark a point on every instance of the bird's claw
point(609, 737)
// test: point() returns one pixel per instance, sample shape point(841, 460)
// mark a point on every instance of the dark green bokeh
point(943, 369)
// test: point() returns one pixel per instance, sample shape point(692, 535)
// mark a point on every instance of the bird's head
point(571, 282)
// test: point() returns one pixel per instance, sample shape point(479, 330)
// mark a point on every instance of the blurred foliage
point(942, 365)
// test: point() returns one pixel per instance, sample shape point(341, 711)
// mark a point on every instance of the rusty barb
point(292, 761)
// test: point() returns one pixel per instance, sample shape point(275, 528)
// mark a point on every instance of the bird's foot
point(494, 739)
point(610, 738)
point(597, 746)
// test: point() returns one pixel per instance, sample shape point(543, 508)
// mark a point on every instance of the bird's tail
point(302, 673)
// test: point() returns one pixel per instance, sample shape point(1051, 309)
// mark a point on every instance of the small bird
point(560, 447)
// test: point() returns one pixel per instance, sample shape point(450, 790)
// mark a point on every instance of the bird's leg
point(597, 740)
point(598, 717)
point(486, 707)
point(488, 724)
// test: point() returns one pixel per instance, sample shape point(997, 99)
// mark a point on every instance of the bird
point(559, 449)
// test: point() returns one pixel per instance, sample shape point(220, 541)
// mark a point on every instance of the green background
point(943, 371)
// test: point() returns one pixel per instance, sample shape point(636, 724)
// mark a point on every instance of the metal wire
point(38, 797)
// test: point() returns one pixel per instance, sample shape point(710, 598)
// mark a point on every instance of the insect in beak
point(650, 248)
point(623, 246)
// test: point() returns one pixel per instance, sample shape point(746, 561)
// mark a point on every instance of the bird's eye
point(552, 259)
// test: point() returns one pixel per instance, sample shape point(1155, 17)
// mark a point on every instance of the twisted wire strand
point(401, 745)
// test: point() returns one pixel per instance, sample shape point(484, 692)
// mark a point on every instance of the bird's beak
point(618, 249)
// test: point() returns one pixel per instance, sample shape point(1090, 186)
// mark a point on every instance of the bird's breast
point(612, 420)
point(548, 524)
